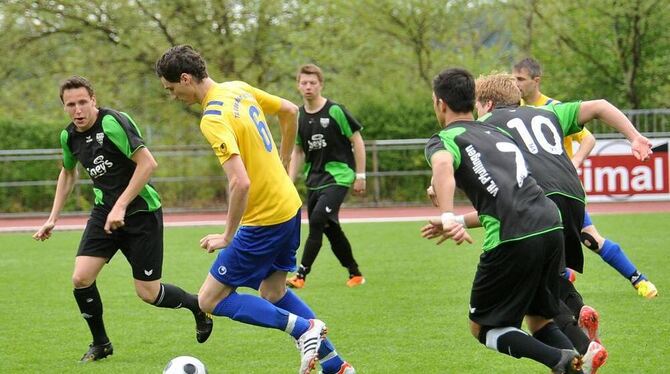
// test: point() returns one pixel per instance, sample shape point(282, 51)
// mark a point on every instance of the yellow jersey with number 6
point(233, 121)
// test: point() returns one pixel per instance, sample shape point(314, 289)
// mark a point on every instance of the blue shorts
point(587, 219)
point(256, 252)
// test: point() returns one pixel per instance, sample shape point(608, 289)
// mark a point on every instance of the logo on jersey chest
point(99, 136)
point(100, 167)
point(317, 142)
point(324, 122)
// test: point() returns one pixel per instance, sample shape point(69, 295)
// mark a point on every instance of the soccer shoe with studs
point(346, 368)
point(646, 289)
point(595, 357)
point(203, 326)
point(570, 363)
point(295, 282)
point(309, 343)
point(355, 281)
point(97, 352)
point(589, 321)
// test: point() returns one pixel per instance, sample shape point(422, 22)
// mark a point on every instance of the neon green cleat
point(646, 289)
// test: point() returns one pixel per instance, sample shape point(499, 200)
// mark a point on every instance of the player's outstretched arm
point(66, 181)
point(613, 117)
point(288, 124)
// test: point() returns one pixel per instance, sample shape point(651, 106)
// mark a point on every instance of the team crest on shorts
point(99, 136)
point(223, 148)
point(222, 270)
point(324, 122)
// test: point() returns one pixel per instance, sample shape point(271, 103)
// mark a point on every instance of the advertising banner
point(611, 173)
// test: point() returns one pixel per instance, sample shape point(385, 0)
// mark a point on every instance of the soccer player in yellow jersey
point(528, 73)
point(262, 234)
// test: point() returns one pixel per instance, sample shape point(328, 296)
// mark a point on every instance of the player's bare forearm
point(238, 186)
point(145, 166)
point(358, 146)
point(297, 160)
point(612, 116)
point(443, 180)
point(66, 181)
point(609, 114)
point(586, 145)
point(288, 123)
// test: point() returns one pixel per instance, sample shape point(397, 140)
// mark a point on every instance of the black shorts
point(140, 240)
point(517, 278)
point(327, 201)
point(572, 213)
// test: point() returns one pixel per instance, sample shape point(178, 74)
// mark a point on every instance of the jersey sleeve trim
point(117, 134)
point(69, 161)
point(338, 114)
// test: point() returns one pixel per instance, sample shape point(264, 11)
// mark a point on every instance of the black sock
point(551, 335)
point(170, 296)
point(342, 248)
point(90, 305)
point(570, 296)
point(567, 323)
point(516, 343)
point(302, 271)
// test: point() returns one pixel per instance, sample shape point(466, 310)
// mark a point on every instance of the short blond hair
point(500, 88)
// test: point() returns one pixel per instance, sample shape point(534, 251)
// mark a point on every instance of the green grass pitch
point(410, 317)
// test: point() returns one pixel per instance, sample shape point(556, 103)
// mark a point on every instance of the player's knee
point(146, 294)
point(318, 220)
point(479, 332)
point(206, 304)
point(79, 281)
point(589, 241)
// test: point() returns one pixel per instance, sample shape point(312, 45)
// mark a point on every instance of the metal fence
point(397, 171)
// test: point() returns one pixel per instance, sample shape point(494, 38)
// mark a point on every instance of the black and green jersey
point(105, 151)
point(490, 169)
point(540, 133)
point(324, 136)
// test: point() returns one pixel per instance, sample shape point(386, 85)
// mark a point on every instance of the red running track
point(32, 223)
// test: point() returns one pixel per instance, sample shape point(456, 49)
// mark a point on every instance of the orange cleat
point(355, 281)
point(589, 321)
point(295, 282)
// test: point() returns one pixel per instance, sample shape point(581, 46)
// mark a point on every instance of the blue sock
point(257, 311)
point(616, 258)
point(292, 303)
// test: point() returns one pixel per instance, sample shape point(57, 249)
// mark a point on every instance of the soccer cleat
point(346, 368)
point(589, 321)
point(646, 289)
point(355, 281)
point(595, 357)
point(570, 363)
point(203, 326)
point(309, 343)
point(295, 282)
point(97, 352)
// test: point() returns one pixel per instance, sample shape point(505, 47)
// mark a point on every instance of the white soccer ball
point(185, 365)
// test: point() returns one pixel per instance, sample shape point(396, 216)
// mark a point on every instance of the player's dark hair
point(76, 81)
point(310, 69)
point(181, 59)
point(456, 87)
point(530, 64)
